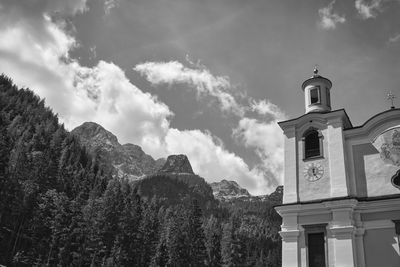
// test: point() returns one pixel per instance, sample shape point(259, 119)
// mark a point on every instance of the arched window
point(312, 144)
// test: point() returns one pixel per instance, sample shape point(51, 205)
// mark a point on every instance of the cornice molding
point(372, 127)
point(378, 224)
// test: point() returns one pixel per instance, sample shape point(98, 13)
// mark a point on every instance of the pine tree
point(196, 238)
point(177, 239)
point(231, 247)
point(213, 241)
point(148, 234)
point(160, 258)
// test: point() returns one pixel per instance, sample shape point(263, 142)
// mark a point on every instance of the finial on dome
point(316, 70)
point(391, 98)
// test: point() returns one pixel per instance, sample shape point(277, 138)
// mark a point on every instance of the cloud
point(207, 153)
point(174, 72)
point(264, 136)
point(40, 59)
point(328, 18)
point(32, 9)
point(123, 108)
point(110, 4)
point(93, 52)
point(265, 107)
point(35, 53)
point(368, 10)
point(210, 159)
point(394, 38)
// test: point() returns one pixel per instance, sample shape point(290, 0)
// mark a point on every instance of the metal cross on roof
point(391, 98)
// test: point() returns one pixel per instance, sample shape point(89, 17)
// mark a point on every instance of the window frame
point(328, 97)
point(316, 229)
point(318, 88)
point(320, 140)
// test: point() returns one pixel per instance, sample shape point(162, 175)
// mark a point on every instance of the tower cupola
point(317, 93)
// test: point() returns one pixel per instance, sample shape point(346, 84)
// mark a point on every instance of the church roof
point(373, 117)
point(314, 77)
point(307, 116)
point(372, 125)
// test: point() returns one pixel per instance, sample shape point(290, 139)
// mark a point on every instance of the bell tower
point(317, 93)
point(341, 198)
point(316, 230)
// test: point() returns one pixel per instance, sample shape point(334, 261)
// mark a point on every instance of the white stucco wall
point(372, 170)
point(319, 189)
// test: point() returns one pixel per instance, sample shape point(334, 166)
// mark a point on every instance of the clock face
point(313, 172)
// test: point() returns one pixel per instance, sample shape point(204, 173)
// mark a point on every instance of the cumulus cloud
point(264, 136)
point(40, 60)
point(120, 106)
point(174, 72)
point(368, 10)
point(329, 19)
point(35, 52)
point(205, 151)
point(210, 159)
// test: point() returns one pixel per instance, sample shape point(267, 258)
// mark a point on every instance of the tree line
point(60, 206)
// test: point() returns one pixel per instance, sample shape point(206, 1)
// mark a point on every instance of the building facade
point(341, 201)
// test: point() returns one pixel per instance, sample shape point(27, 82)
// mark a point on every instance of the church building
point(341, 200)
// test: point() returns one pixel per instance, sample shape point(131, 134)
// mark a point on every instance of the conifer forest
point(60, 205)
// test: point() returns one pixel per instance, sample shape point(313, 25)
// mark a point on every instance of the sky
point(205, 78)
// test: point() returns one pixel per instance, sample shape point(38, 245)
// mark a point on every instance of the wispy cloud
point(93, 52)
point(329, 19)
point(265, 107)
point(394, 39)
point(368, 10)
point(200, 78)
point(110, 4)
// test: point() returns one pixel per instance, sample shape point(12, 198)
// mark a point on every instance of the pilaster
point(336, 158)
point(341, 233)
point(290, 171)
point(290, 237)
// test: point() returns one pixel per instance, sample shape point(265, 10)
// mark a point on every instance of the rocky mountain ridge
point(177, 164)
point(225, 190)
point(126, 161)
point(232, 191)
point(131, 162)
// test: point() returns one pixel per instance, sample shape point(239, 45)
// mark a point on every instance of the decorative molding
point(378, 224)
point(304, 119)
point(359, 232)
point(289, 235)
point(290, 131)
point(372, 127)
point(341, 231)
point(381, 205)
point(336, 122)
point(344, 204)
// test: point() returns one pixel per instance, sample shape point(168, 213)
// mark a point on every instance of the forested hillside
point(60, 206)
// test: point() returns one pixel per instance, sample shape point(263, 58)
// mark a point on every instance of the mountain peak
point(228, 190)
point(127, 161)
point(93, 134)
point(177, 164)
